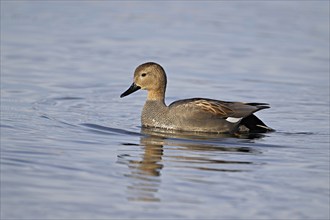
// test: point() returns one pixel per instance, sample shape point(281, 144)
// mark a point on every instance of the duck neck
point(156, 95)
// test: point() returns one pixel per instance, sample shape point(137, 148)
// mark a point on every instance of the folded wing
point(220, 109)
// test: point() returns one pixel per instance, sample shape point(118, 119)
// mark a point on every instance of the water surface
point(72, 149)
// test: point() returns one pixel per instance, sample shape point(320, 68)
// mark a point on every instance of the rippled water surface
point(72, 149)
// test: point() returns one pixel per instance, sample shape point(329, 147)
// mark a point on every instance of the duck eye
point(143, 74)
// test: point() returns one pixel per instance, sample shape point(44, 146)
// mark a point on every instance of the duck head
point(151, 77)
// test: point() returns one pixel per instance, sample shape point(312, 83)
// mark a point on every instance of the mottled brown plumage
point(197, 114)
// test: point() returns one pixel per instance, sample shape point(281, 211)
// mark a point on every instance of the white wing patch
point(233, 120)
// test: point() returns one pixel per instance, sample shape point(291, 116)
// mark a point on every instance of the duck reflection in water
point(145, 171)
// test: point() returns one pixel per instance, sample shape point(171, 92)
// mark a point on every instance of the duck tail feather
point(255, 125)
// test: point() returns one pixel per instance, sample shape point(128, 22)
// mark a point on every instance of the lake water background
point(72, 149)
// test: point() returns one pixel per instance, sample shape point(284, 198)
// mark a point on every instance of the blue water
point(72, 149)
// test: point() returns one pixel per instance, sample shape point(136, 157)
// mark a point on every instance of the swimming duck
point(196, 114)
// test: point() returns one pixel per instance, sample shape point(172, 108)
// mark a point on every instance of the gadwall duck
point(196, 114)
